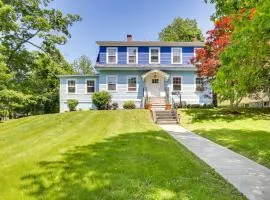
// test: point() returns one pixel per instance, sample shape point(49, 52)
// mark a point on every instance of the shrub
point(129, 105)
point(114, 106)
point(102, 100)
point(72, 104)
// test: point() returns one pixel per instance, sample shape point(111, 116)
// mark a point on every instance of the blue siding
point(143, 55)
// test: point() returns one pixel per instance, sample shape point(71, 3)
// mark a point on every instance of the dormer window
point(132, 55)
point(176, 55)
point(112, 55)
point(154, 57)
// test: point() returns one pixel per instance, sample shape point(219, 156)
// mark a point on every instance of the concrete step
point(167, 122)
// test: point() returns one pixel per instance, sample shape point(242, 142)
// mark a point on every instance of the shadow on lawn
point(128, 166)
point(254, 144)
point(143, 165)
point(200, 115)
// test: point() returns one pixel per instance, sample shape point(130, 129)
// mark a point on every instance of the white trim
point(195, 85)
point(116, 80)
point(181, 55)
point(150, 48)
point(116, 55)
point(90, 79)
point(136, 62)
point(182, 80)
point(75, 86)
point(137, 85)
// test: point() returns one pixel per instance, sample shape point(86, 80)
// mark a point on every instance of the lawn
point(247, 133)
point(101, 155)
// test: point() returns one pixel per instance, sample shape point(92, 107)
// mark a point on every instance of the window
point(155, 80)
point(176, 55)
point(71, 86)
point(199, 81)
point(111, 83)
point(154, 55)
point(111, 55)
point(90, 86)
point(132, 83)
point(132, 55)
point(199, 84)
point(177, 84)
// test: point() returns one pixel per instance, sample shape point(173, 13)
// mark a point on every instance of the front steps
point(166, 117)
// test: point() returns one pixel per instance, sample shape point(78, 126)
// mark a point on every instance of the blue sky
point(114, 19)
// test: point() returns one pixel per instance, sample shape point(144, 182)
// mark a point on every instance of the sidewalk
point(250, 178)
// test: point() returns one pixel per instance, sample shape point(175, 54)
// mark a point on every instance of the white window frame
point(67, 86)
point(116, 55)
point(195, 84)
point(180, 84)
point(116, 80)
point(89, 79)
point(136, 62)
point(137, 85)
point(181, 55)
point(151, 55)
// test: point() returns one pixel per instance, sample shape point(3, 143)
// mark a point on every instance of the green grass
point(247, 133)
point(101, 155)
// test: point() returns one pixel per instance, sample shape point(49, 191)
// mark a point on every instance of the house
point(146, 72)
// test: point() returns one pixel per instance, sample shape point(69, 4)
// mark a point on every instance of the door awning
point(155, 71)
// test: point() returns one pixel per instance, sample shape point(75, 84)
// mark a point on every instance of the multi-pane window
point(154, 55)
point(132, 83)
point(132, 55)
point(176, 83)
point(111, 55)
point(155, 80)
point(90, 86)
point(199, 84)
point(176, 55)
point(71, 86)
point(111, 83)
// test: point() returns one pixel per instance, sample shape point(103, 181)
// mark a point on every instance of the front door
point(155, 87)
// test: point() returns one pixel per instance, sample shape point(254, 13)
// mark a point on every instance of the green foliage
point(83, 66)
point(246, 61)
point(72, 104)
point(32, 74)
point(229, 7)
point(129, 105)
point(114, 106)
point(181, 30)
point(102, 100)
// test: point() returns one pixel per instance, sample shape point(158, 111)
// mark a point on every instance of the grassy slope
point(100, 155)
point(247, 134)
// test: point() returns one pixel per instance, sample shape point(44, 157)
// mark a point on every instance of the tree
point(207, 59)
point(236, 54)
point(228, 7)
point(30, 77)
point(83, 65)
point(182, 30)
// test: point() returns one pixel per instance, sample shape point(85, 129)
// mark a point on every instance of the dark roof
point(148, 43)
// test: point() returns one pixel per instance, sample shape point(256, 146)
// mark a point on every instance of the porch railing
point(145, 97)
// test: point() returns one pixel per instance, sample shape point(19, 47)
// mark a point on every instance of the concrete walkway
point(250, 178)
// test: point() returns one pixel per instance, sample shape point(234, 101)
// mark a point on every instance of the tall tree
point(207, 59)
point(83, 65)
point(181, 30)
point(25, 23)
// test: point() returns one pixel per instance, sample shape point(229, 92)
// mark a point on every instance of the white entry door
point(154, 88)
